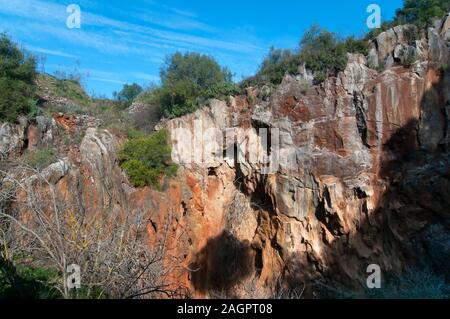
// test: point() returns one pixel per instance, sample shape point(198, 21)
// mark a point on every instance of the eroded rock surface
point(353, 186)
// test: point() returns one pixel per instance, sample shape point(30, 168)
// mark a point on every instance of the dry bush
point(39, 228)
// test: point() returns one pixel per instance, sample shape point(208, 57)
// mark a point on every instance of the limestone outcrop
point(362, 175)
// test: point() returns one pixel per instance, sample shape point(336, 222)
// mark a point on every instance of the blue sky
point(126, 41)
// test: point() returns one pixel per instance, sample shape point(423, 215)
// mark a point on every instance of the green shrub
point(322, 53)
point(276, 65)
point(250, 99)
point(35, 111)
point(188, 80)
point(69, 89)
point(353, 45)
point(325, 55)
point(179, 98)
point(221, 90)
point(128, 93)
point(320, 50)
point(410, 60)
point(42, 158)
point(135, 134)
point(17, 80)
point(146, 159)
point(25, 282)
point(422, 12)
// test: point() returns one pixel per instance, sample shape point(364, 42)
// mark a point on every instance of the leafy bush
point(188, 80)
point(320, 50)
point(322, 53)
point(422, 12)
point(325, 55)
point(17, 76)
point(221, 90)
point(146, 159)
point(179, 98)
point(35, 111)
point(128, 93)
point(354, 45)
point(275, 66)
point(42, 158)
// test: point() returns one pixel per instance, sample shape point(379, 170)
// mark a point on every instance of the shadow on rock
point(221, 264)
point(407, 235)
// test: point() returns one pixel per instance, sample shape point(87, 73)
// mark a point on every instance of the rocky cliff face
point(361, 176)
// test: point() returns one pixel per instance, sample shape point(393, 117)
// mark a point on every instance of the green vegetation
point(25, 282)
point(17, 80)
point(147, 159)
point(147, 117)
point(35, 111)
point(49, 85)
point(42, 158)
point(421, 12)
point(190, 79)
point(320, 50)
point(109, 112)
point(128, 93)
point(274, 67)
point(354, 45)
point(410, 60)
point(322, 53)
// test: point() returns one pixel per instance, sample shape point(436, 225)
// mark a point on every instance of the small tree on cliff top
point(128, 93)
point(422, 12)
point(188, 79)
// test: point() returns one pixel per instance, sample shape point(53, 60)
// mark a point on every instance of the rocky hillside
point(362, 177)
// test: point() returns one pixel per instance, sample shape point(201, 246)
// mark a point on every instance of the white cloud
point(173, 21)
point(172, 9)
point(52, 20)
point(94, 78)
point(159, 33)
point(45, 11)
point(51, 52)
point(145, 76)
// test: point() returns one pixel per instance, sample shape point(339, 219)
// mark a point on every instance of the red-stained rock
point(352, 193)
